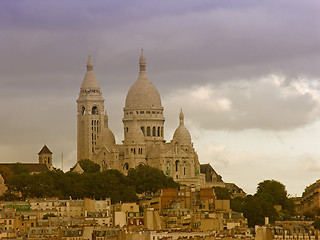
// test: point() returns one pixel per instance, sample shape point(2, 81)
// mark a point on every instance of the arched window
point(94, 110)
point(148, 131)
point(83, 110)
point(142, 129)
point(126, 166)
point(158, 132)
point(154, 131)
point(177, 165)
point(161, 131)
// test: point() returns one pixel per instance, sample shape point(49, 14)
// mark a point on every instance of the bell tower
point(90, 114)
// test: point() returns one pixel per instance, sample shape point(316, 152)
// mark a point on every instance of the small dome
point(105, 137)
point(182, 133)
point(143, 94)
point(90, 81)
point(134, 135)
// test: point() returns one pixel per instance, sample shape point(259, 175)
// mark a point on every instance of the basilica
point(143, 126)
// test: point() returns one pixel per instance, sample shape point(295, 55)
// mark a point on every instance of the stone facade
point(143, 123)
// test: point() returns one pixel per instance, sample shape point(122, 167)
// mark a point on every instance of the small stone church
point(143, 126)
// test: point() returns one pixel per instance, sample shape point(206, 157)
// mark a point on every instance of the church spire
point(89, 64)
point(90, 82)
point(142, 62)
point(181, 117)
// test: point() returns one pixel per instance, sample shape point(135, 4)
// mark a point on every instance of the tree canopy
point(89, 166)
point(260, 205)
point(148, 179)
point(107, 184)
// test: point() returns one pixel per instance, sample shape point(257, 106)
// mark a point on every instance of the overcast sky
point(246, 74)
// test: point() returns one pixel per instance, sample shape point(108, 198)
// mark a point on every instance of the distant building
point(310, 201)
point(143, 124)
point(44, 163)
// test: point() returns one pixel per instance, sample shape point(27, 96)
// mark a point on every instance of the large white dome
point(143, 94)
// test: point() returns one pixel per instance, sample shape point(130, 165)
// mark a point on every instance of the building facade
point(143, 125)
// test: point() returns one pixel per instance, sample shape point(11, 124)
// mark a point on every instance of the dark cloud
point(266, 104)
point(214, 54)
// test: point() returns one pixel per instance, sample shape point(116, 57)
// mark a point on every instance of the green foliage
point(236, 204)
point(276, 193)
point(269, 193)
point(148, 179)
point(98, 185)
point(89, 166)
point(222, 193)
point(256, 208)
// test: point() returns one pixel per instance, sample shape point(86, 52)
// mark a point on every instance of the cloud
point(268, 103)
point(308, 162)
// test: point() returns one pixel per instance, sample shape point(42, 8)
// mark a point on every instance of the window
point(154, 131)
point(94, 111)
point(83, 110)
point(126, 166)
point(142, 129)
point(148, 131)
point(158, 131)
point(177, 165)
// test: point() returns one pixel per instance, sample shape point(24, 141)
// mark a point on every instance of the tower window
point(142, 129)
point(154, 131)
point(148, 131)
point(83, 110)
point(94, 110)
point(158, 131)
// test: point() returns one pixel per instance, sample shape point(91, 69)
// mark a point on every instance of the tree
point(276, 193)
point(222, 193)
point(275, 189)
point(148, 179)
point(89, 166)
point(236, 204)
point(256, 208)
